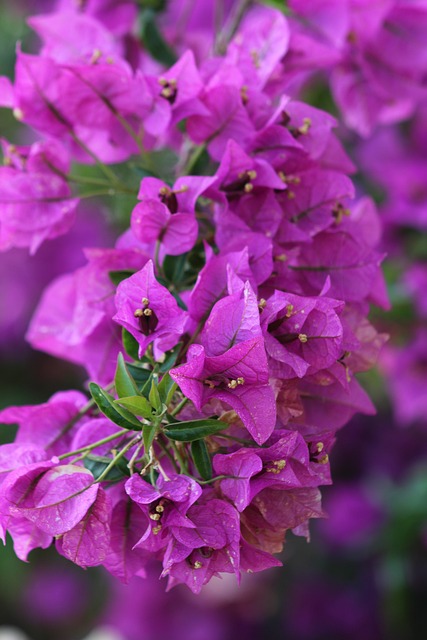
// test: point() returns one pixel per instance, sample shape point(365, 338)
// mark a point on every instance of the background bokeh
point(364, 574)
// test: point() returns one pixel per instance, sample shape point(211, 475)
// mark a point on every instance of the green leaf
point(139, 374)
point(130, 345)
point(154, 396)
point(174, 267)
point(165, 283)
point(167, 388)
point(105, 403)
point(202, 459)
point(117, 277)
point(171, 358)
point(123, 381)
point(171, 419)
point(145, 391)
point(280, 5)
point(148, 433)
point(156, 5)
point(193, 429)
point(199, 163)
point(98, 464)
point(137, 405)
point(163, 164)
point(153, 40)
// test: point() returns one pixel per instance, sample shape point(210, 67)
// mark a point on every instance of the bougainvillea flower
point(239, 378)
point(16, 455)
point(70, 37)
point(212, 281)
point(88, 542)
point(285, 464)
point(167, 214)
point(180, 87)
point(227, 118)
point(233, 319)
point(118, 17)
point(148, 311)
point(45, 425)
point(165, 506)
point(74, 318)
point(35, 199)
point(259, 45)
point(196, 554)
point(127, 525)
point(305, 334)
point(54, 497)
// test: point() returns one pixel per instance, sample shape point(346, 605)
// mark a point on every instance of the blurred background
point(364, 573)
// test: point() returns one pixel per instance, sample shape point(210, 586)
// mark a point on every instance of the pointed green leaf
point(117, 277)
point(139, 374)
point(130, 345)
point(123, 381)
point(171, 419)
point(171, 358)
point(174, 267)
point(148, 433)
point(98, 464)
point(116, 414)
point(193, 429)
point(153, 40)
point(137, 405)
point(154, 396)
point(167, 388)
point(202, 459)
point(145, 391)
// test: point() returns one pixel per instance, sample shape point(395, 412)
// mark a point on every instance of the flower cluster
point(229, 320)
point(396, 163)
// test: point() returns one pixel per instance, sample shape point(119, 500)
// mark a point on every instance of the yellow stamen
point(18, 114)
point(305, 126)
point(96, 55)
point(262, 303)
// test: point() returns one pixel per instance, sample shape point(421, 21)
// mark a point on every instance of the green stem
point(248, 443)
point(162, 471)
point(193, 338)
point(86, 180)
point(135, 137)
point(159, 267)
point(229, 32)
point(118, 457)
point(112, 191)
point(134, 458)
point(102, 167)
point(179, 406)
point(70, 424)
point(93, 445)
point(179, 458)
point(168, 453)
point(192, 160)
point(68, 177)
point(214, 479)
